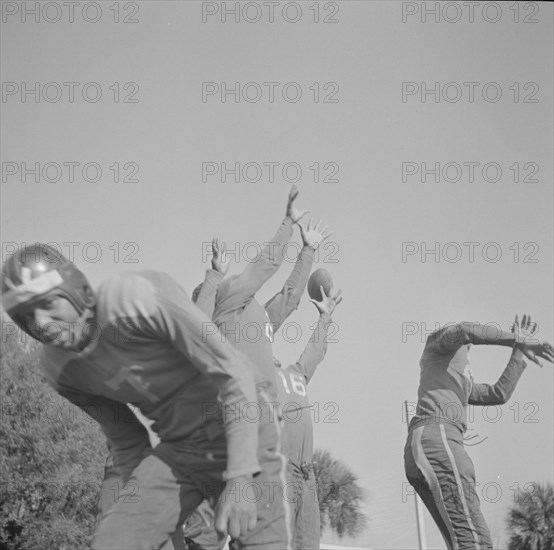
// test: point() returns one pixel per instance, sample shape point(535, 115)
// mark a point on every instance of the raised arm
point(453, 337)
point(205, 300)
point(286, 301)
point(242, 288)
point(316, 348)
point(499, 393)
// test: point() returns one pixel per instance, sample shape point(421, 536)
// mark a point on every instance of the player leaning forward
point(139, 339)
point(436, 462)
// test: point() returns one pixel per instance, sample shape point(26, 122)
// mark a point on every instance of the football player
point(139, 339)
point(436, 463)
point(297, 415)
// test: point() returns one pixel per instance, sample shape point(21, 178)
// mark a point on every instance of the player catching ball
point(436, 463)
point(293, 398)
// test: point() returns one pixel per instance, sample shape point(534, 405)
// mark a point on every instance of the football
point(320, 277)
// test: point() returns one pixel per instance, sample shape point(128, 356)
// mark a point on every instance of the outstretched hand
point(531, 348)
point(314, 234)
point(292, 212)
point(327, 304)
point(220, 262)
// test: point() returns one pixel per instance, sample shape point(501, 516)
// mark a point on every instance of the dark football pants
point(163, 496)
point(442, 473)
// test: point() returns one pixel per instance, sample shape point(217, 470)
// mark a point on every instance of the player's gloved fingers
point(323, 292)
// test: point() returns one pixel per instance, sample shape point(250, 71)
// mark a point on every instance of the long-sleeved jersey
point(149, 348)
point(446, 383)
point(282, 304)
point(293, 395)
point(242, 320)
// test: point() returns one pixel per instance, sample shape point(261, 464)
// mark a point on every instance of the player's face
point(54, 321)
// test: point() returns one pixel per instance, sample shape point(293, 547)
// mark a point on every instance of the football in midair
point(320, 277)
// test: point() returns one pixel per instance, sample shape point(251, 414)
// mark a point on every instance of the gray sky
point(360, 125)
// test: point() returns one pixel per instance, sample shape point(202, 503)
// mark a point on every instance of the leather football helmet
point(39, 270)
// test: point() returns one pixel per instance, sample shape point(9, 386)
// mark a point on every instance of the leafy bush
point(51, 458)
point(531, 520)
point(340, 496)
